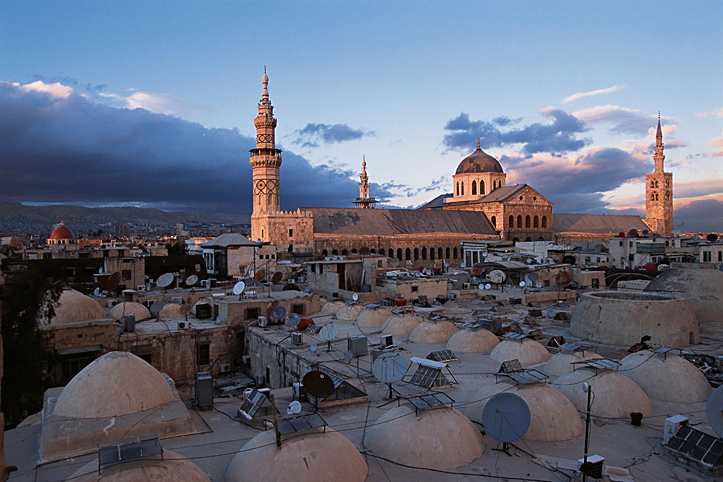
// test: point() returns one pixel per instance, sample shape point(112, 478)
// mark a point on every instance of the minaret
point(364, 201)
point(265, 162)
point(659, 191)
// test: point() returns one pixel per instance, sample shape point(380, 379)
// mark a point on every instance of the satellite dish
point(156, 307)
point(277, 314)
point(484, 254)
point(113, 281)
point(260, 275)
point(239, 288)
point(291, 287)
point(497, 276)
point(632, 233)
point(539, 285)
point(522, 284)
point(663, 266)
point(506, 417)
point(165, 280)
point(294, 408)
point(714, 410)
point(292, 321)
point(488, 286)
point(328, 332)
point(313, 348)
point(318, 384)
point(645, 232)
point(96, 292)
point(563, 278)
point(192, 280)
point(389, 368)
point(550, 313)
point(533, 277)
point(277, 277)
point(355, 297)
point(185, 309)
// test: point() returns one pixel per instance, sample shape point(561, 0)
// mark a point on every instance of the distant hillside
point(19, 219)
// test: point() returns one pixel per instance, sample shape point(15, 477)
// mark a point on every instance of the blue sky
point(152, 103)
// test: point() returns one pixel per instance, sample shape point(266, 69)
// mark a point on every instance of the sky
point(151, 103)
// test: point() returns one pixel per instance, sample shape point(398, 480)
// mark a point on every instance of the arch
point(481, 187)
point(424, 253)
point(544, 221)
point(408, 254)
point(511, 222)
point(527, 221)
point(373, 251)
point(354, 251)
point(335, 252)
point(667, 196)
point(448, 253)
point(519, 221)
point(474, 187)
point(440, 254)
point(382, 252)
point(458, 188)
point(344, 252)
point(462, 186)
point(431, 253)
point(535, 222)
point(656, 196)
point(291, 248)
point(652, 183)
point(455, 252)
point(540, 238)
point(494, 221)
point(325, 253)
point(515, 240)
point(656, 183)
point(399, 253)
point(416, 254)
point(528, 239)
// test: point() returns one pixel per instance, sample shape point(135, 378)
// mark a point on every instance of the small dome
point(472, 341)
point(670, 377)
point(170, 311)
point(432, 332)
point(442, 438)
point(478, 161)
point(73, 306)
point(616, 395)
point(372, 317)
point(402, 324)
point(553, 418)
point(62, 232)
point(528, 351)
point(561, 363)
point(172, 468)
point(332, 306)
point(349, 312)
point(130, 308)
point(311, 456)
point(116, 384)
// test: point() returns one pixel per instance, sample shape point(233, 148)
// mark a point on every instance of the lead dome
point(477, 162)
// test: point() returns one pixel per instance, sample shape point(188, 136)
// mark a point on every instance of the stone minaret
point(659, 192)
point(265, 161)
point(364, 201)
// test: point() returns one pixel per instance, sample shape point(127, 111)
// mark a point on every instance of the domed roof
point(312, 456)
point(172, 468)
point(472, 341)
point(349, 312)
point(74, 306)
point(615, 394)
point(130, 308)
point(561, 363)
point(116, 384)
point(670, 377)
point(62, 232)
point(478, 161)
point(332, 306)
point(418, 439)
point(432, 332)
point(400, 324)
point(372, 317)
point(528, 351)
point(170, 311)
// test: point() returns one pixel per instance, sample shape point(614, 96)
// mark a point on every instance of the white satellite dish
point(355, 297)
point(292, 321)
point(539, 285)
point(96, 292)
point(313, 348)
point(488, 286)
point(389, 368)
point(714, 410)
point(484, 254)
point(506, 417)
point(294, 408)
point(165, 280)
point(462, 265)
point(497, 276)
point(239, 288)
point(192, 280)
point(328, 332)
point(522, 284)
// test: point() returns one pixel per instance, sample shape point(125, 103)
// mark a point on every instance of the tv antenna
point(260, 275)
point(506, 418)
point(328, 333)
point(389, 368)
point(277, 314)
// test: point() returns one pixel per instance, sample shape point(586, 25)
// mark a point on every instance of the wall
point(413, 289)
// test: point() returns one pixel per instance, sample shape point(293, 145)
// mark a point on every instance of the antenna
point(313, 348)
point(260, 275)
point(165, 280)
point(96, 292)
point(522, 284)
point(389, 368)
point(533, 277)
point(318, 384)
point(192, 280)
point(113, 281)
point(563, 278)
point(506, 418)
point(714, 410)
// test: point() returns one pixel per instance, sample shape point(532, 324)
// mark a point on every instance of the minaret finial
point(659, 133)
point(265, 81)
point(478, 147)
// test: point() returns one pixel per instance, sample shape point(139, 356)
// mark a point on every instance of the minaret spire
point(478, 146)
point(659, 157)
point(364, 201)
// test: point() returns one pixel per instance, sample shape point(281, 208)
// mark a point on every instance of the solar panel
point(372, 305)
point(511, 366)
point(573, 347)
point(300, 423)
point(442, 356)
point(515, 336)
point(663, 349)
point(602, 364)
point(251, 404)
point(525, 377)
point(398, 311)
point(697, 446)
point(111, 453)
point(536, 335)
point(313, 329)
point(432, 400)
point(428, 377)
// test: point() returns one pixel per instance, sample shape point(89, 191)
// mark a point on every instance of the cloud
point(697, 188)
point(68, 149)
point(625, 120)
point(705, 215)
point(591, 93)
point(716, 142)
point(558, 136)
point(714, 112)
point(312, 134)
point(157, 103)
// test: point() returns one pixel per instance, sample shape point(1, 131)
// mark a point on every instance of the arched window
point(416, 254)
point(335, 252)
point(652, 197)
point(535, 222)
point(515, 240)
point(481, 187)
point(457, 189)
point(474, 187)
point(652, 183)
point(667, 196)
point(528, 239)
point(527, 221)
point(656, 196)
point(399, 253)
point(344, 252)
point(448, 255)
point(455, 253)
point(656, 183)
point(424, 253)
point(440, 253)
point(519, 221)
point(494, 221)
point(431, 253)
point(511, 221)
point(354, 251)
point(408, 254)
point(382, 252)
point(544, 221)
point(325, 253)
point(373, 251)
point(462, 186)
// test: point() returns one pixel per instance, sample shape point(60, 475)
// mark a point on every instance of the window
point(455, 253)
point(291, 233)
point(440, 253)
point(544, 221)
point(462, 188)
point(457, 189)
point(298, 308)
point(536, 222)
point(251, 313)
point(424, 253)
point(204, 353)
point(527, 221)
point(519, 221)
point(481, 187)
point(431, 253)
point(382, 252)
point(474, 187)
point(344, 252)
point(125, 274)
point(511, 221)
point(720, 256)
point(415, 289)
point(73, 363)
point(494, 221)
point(706, 256)
point(408, 254)
point(448, 254)
point(399, 253)
point(416, 254)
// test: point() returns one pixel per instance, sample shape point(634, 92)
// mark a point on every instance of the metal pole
point(587, 436)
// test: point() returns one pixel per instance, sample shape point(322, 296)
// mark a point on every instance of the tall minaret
point(265, 161)
point(659, 192)
point(364, 201)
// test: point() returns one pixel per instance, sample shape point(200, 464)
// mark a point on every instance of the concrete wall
point(413, 289)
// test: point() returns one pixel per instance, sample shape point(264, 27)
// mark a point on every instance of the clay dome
point(478, 161)
point(116, 384)
point(442, 438)
point(311, 456)
point(61, 232)
point(561, 363)
point(73, 306)
point(129, 308)
point(372, 317)
point(554, 418)
point(472, 341)
point(173, 468)
point(349, 312)
point(170, 311)
point(670, 377)
point(401, 324)
point(332, 306)
point(432, 332)
point(616, 395)
point(528, 351)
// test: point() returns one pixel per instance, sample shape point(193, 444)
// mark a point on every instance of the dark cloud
point(705, 215)
point(624, 120)
point(312, 134)
point(557, 137)
point(70, 149)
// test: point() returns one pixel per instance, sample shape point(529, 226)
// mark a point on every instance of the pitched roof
point(596, 223)
point(228, 239)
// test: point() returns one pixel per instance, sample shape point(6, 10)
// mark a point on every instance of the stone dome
point(349, 312)
point(670, 377)
point(73, 306)
point(616, 395)
point(528, 351)
point(173, 468)
point(372, 317)
point(553, 418)
point(478, 161)
point(62, 232)
point(402, 324)
point(472, 341)
point(116, 384)
point(433, 332)
point(312, 456)
point(332, 306)
point(170, 311)
point(561, 363)
point(129, 308)
point(442, 438)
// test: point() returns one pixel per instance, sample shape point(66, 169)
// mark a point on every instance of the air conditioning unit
point(129, 323)
point(182, 325)
point(141, 288)
point(594, 467)
point(204, 391)
point(465, 286)
point(452, 296)
point(386, 341)
point(672, 424)
point(225, 367)
point(297, 338)
point(357, 345)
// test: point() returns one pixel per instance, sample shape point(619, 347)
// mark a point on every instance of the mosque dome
point(561, 363)
point(402, 324)
point(442, 438)
point(528, 351)
point(349, 312)
point(172, 468)
point(61, 232)
point(472, 341)
point(477, 162)
point(553, 418)
point(433, 332)
point(312, 456)
point(372, 317)
point(170, 311)
point(127, 308)
point(671, 378)
point(116, 384)
point(332, 306)
point(616, 395)
point(73, 306)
